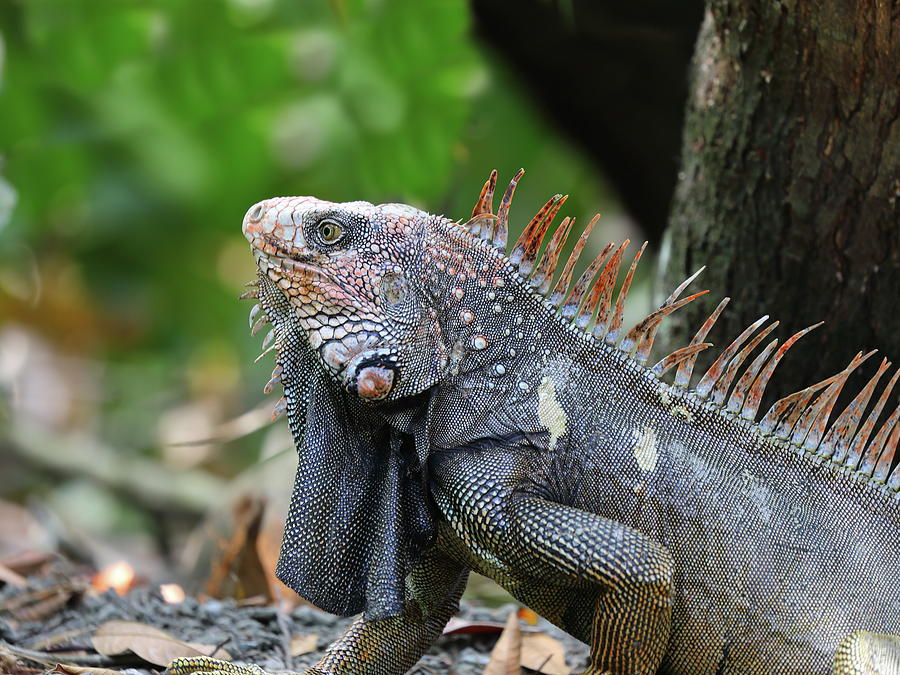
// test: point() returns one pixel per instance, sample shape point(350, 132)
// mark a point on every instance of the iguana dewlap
point(456, 409)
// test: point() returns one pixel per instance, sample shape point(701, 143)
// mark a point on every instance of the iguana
point(457, 409)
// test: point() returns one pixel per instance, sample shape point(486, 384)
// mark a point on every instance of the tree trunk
point(790, 179)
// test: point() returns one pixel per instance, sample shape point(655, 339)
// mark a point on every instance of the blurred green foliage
point(134, 135)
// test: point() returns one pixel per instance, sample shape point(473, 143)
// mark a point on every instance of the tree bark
point(790, 179)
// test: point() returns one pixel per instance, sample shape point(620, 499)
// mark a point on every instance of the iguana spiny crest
point(394, 299)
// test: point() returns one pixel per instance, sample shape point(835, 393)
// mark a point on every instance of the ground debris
point(252, 634)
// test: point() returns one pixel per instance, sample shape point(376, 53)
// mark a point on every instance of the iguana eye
point(330, 231)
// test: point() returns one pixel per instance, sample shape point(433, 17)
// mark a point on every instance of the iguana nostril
point(256, 213)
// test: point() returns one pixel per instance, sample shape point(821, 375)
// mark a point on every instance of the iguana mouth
point(291, 264)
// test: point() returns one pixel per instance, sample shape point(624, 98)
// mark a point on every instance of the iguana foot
point(204, 665)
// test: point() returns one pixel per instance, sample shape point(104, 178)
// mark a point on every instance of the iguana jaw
point(357, 356)
point(358, 361)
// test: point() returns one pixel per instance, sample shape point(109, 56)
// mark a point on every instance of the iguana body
point(455, 410)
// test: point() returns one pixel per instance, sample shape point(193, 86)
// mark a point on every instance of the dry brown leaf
point(39, 604)
point(529, 616)
point(9, 663)
point(304, 644)
point(27, 562)
point(44, 608)
point(151, 644)
point(10, 577)
point(20, 532)
point(506, 656)
point(268, 548)
point(544, 654)
point(253, 601)
point(457, 626)
point(172, 593)
point(68, 669)
point(70, 636)
point(119, 576)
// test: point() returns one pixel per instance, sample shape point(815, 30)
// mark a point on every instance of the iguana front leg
point(631, 573)
point(529, 543)
point(394, 645)
point(377, 647)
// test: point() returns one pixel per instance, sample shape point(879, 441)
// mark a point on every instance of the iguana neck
point(492, 323)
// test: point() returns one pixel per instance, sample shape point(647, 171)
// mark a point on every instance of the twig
point(219, 646)
point(143, 480)
point(285, 639)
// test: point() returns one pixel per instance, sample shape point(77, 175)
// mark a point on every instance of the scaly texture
point(454, 410)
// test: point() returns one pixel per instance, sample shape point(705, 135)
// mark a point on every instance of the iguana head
point(348, 270)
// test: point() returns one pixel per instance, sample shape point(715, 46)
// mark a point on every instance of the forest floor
point(56, 617)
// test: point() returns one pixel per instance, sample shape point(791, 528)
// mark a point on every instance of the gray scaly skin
point(452, 412)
